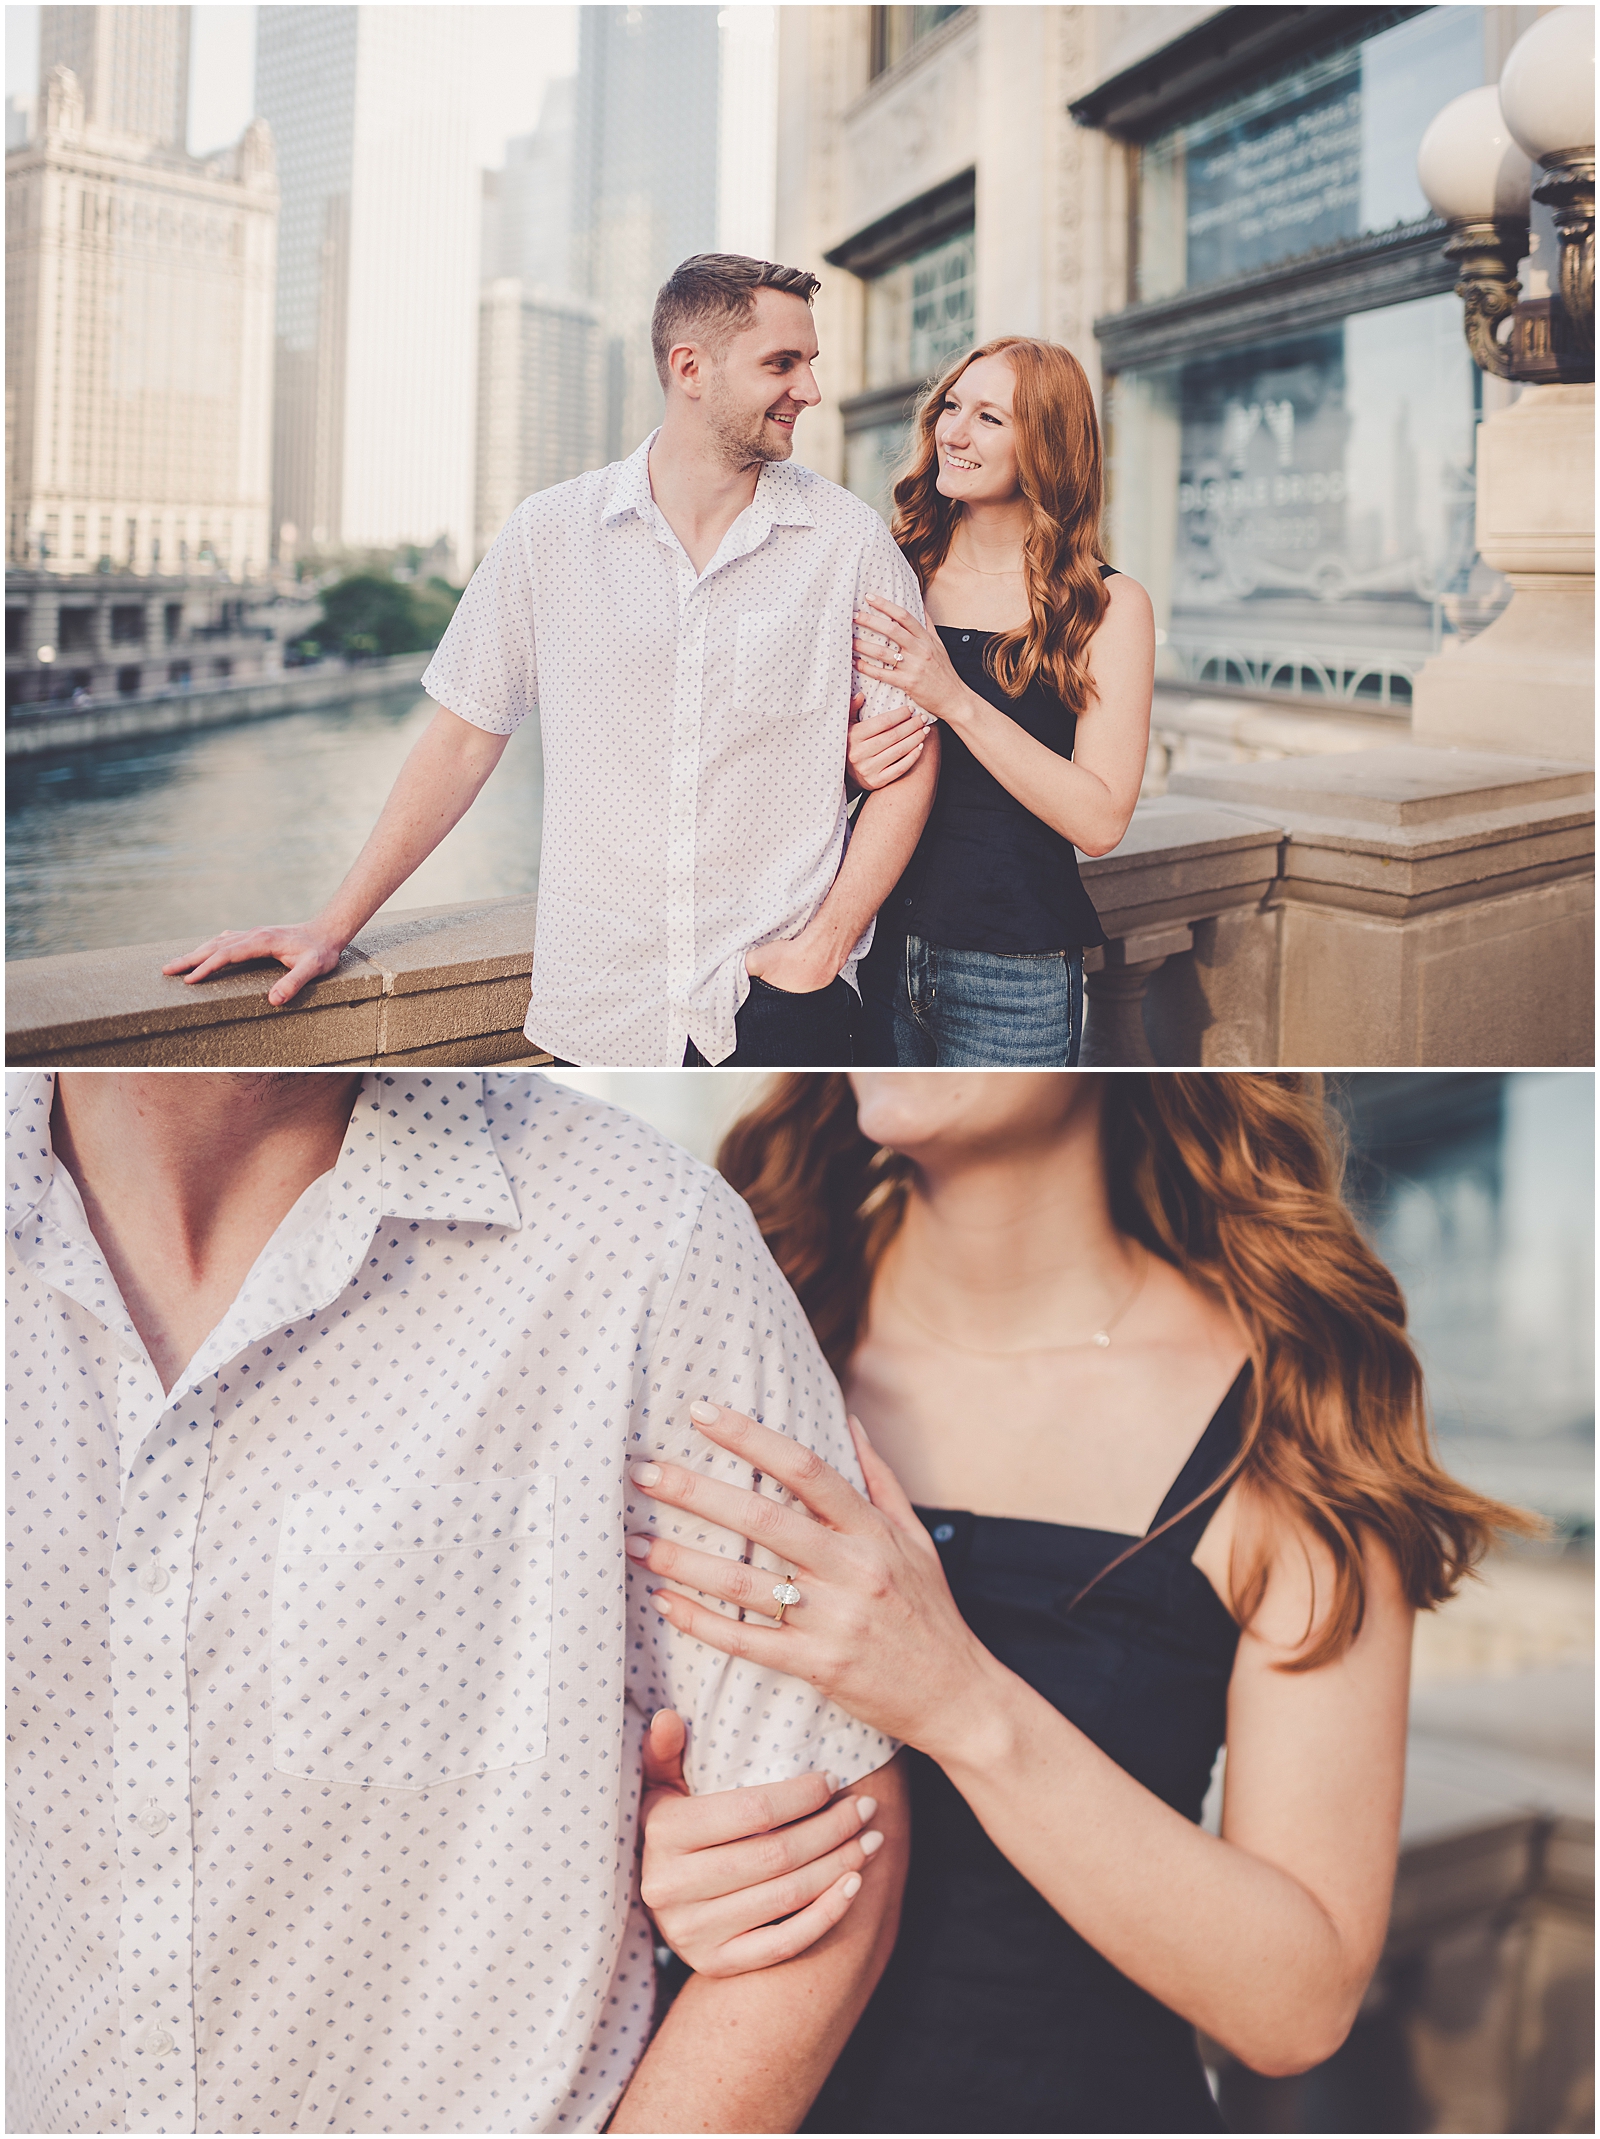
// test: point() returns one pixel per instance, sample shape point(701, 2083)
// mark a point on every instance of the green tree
point(370, 613)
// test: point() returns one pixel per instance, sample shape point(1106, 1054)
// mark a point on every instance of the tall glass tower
point(645, 183)
point(378, 275)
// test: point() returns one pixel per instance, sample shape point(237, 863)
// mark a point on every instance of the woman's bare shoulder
point(1127, 596)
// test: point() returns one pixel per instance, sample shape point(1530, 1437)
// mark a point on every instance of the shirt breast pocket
point(781, 664)
point(411, 1631)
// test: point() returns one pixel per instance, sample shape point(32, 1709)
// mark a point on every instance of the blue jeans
point(987, 1009)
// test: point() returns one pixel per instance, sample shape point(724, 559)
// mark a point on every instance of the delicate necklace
point(1101, 1337)
point(1009, 572)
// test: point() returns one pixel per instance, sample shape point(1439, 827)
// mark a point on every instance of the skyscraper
point(527, 206)
point(645, 182)
point(540, 346)
point(138, 313)
point(539, 397)
point(132, 65)
point(378, 281)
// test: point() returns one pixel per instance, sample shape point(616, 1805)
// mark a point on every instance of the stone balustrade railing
point(1389, 907)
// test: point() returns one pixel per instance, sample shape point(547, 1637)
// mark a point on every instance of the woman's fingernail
point(662, 1600)
point(705, 1414)
point(852, 1886)
point(871, 1844)
point(832, 1782)
point(646, 1474)
point(866, 1806)
point(637, 1548)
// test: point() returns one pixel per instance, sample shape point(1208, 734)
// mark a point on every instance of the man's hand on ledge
point(306, 948)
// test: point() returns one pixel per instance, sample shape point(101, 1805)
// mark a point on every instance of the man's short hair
point(711, 296)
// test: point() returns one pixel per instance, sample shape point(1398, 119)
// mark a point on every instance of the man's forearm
point(749, 2053)
point(887, 828)
point(436, 786)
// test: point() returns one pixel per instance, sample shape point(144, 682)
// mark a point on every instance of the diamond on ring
point(786, 1593)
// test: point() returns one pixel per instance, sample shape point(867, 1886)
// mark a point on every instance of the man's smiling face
point(757, 384)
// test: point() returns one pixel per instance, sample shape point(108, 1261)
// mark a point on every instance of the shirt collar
point(416, 1148)
point(778, 502)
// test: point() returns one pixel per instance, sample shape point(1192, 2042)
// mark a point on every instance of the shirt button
point(153, 1820)
point(158, 2042)
point(965, 636)
point(155, 1578)
point(943, 1533)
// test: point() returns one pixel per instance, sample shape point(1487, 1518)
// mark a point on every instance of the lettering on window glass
point(1285, 182)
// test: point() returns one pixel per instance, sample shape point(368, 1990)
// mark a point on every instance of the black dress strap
point(1108, 571)
point(1208, 1461)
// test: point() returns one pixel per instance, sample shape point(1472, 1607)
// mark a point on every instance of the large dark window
point(918, 266)
point(1290, 405)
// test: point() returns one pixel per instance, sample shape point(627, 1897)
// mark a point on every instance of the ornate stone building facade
point(1217, 210)
point(139, 290)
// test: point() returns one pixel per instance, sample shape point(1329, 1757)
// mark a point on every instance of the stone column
point(1526, 685)
point(1435, 907)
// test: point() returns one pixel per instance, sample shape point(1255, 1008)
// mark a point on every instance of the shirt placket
point(688, 692)
point(151, 1590)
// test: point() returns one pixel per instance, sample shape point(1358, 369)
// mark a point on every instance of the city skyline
point(538, 44)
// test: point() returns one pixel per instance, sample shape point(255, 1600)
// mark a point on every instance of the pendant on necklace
point(1102, 1338)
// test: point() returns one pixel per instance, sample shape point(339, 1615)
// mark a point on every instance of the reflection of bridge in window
point(1290, 438)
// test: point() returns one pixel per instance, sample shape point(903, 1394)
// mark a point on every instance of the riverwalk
point(31, 730)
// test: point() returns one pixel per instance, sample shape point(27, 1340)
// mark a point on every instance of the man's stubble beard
point(741, 440)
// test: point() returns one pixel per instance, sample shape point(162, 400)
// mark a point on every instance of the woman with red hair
point(1038, 658)
point(1149, 1470)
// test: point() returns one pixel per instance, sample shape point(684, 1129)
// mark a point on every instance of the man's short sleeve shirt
point(693, 729)
point(328, 1671)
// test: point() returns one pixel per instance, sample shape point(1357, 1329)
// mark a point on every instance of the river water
point(176, 836)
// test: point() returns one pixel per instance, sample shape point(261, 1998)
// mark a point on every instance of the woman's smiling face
point(975, 435)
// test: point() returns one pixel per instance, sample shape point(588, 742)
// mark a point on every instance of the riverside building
point(138, 313)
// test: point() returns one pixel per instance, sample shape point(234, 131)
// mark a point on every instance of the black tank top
point(987, 874)
point(993, 2014)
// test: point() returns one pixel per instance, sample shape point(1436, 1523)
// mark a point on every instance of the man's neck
point(699, 492)
point(186, 1177)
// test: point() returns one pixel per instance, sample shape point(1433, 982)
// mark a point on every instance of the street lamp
point(1474, 166)
point(1547, 97)
point(1478, 179)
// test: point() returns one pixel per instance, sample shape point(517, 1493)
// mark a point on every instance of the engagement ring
point(786, 1594)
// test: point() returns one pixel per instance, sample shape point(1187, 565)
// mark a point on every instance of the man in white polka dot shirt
point(329, 1677)
point(682, 623)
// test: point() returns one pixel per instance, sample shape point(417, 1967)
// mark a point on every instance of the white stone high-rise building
point(132, 65)
point(378, 277)
point(139, 287)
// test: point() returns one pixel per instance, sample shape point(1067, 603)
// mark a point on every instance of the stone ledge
point(1181, 860)
point(1407, 830)
point(446, 984)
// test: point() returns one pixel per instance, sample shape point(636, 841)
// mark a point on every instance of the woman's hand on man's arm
point(740, 1879)
point(1295, 1892)
point(748, 2051)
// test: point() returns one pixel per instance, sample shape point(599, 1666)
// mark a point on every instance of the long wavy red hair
point(1060, 471)
point(1235, 1181)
